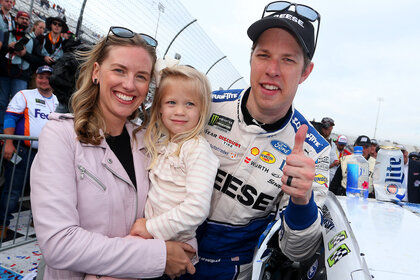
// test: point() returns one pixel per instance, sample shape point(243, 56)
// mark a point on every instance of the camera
point(22, 42)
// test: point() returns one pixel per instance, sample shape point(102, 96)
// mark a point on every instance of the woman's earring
point(95, 81)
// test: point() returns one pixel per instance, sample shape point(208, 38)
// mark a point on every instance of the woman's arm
point(64, 243)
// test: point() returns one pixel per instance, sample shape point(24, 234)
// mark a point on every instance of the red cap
point(22, 14)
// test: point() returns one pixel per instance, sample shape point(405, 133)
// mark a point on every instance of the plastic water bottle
point(357, 174)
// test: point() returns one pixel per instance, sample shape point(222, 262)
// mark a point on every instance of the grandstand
point(178, 33)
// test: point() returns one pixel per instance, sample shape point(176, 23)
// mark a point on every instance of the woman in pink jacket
point(89, 182)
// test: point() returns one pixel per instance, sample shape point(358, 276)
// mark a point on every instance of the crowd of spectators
point(341, 148)
point(29, 50)
point(48, 5)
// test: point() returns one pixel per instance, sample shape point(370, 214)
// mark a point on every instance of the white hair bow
point(161, 64)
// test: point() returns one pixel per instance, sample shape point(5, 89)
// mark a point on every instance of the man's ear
point(306, 72)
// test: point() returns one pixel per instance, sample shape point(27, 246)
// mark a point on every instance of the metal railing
point(14, 194)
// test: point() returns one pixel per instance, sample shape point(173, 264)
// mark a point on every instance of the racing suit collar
point(249, 120)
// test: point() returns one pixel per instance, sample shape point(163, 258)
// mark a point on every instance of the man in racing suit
point(272, 161)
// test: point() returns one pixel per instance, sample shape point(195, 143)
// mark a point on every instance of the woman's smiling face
point(124, 78)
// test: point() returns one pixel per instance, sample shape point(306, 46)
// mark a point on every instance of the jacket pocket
point(86, 173)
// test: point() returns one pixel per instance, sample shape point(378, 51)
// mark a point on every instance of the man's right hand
point(9, 149)
point(177, 261)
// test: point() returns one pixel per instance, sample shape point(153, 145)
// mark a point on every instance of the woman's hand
point(177, 260)
point(139, 228)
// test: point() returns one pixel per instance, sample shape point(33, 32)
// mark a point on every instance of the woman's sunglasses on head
point(123, 32)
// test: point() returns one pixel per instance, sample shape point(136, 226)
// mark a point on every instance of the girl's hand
point(139, 228)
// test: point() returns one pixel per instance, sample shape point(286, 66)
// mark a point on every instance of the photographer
point(16, 57)
point(52, 43)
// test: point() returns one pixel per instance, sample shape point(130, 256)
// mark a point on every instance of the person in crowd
point(339, 182)
point(52, 43)
point(325, 128)
point(16, 57)
point(183, 166)
point(99, 185)
point(70, 42)
point(8, 21)
point(66, 72)
point(373, 147)
point(38, 28)
point(267, 152)
point(327, 125)
point(26, 115)
point(64, 77)
point(413, 177)
point(341, 147)
point(377, 150)
point(45, 3)
point(338, 152)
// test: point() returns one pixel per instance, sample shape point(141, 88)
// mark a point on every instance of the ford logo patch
point(312, 270)
point(281, 147)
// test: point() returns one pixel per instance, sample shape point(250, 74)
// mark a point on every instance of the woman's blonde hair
point(88, 118)
point(156, 132)
point(36, 23)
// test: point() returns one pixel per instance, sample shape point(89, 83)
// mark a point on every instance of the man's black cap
point(294, 23)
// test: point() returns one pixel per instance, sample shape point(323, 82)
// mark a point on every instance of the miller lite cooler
point(388, 174)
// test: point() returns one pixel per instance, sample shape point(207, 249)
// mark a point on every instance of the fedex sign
point(40, 114)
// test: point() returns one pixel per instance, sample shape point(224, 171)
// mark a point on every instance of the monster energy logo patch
point(37, 100)
point(222, 122)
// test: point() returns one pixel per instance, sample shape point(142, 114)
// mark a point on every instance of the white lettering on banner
point(309, 136)
point(312, 138)
point(292, 18)
point(226, 95)
point(296, 122)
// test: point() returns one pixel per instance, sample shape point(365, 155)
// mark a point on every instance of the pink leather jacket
point(83, 203)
